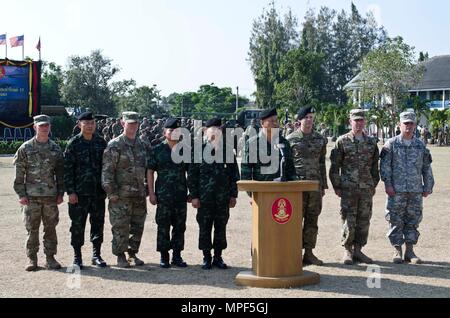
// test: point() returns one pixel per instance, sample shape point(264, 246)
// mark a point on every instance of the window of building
point(436, 95)
point(423, 95)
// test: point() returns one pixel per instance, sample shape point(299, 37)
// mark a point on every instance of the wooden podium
point(277, 235)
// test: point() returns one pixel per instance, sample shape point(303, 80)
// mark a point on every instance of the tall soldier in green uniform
point(213, 187)
point(123, 179)
point(269, 143)
point(82, 178)
point(170, 196)
point(309, 150)
point(40, 187)
point(354, 175)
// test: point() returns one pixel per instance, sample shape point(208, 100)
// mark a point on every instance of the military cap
point(172, 123)
point(408, 117)
point(41, 120)
point(215, 122)
point(305, 111)
point(357, 113)
point(130, 117)
point(268, 113)
point(86, 116)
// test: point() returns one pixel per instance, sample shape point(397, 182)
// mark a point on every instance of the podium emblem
point(282, 211)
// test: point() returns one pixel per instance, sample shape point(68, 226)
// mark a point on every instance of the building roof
point(435, 77)
point(437, 74)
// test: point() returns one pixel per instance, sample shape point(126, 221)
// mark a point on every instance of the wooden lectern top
point(274, 186)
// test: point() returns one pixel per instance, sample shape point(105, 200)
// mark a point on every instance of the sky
point(182, 44)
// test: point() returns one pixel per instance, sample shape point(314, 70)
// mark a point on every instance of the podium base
point(248, 278)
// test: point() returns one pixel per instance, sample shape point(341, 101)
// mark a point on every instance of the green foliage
point(10, 147)
point(144, 100)
point(51, 84)
point(438, 119)
point(302, 75)
point(270, 42)
point(208, 99)
point(62, 127)
point(88, 83)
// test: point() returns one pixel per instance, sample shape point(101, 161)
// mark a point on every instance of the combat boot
point(348, 256)
point(134, 260)
point(165, 258)
point(207, 260)
point(77, 259)
point(398, 255)
point(122, 261)
point(52, 263)
point(310, 259)
point(359, 256)
point(410, 256)
point(177, 260)
point(97, 260)
point(218, 261)
point(32, 263)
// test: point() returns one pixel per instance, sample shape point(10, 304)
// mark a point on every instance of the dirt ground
point(431, 279)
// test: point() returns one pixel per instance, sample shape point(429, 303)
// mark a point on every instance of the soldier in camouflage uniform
point(408, 178)
point(82, 178)
point(117, 129)
point(123, 179)
point(253, 169)
point(213, 188)
point(170, 196)
point(309, 149)
point(354, 175)
point(39, 185)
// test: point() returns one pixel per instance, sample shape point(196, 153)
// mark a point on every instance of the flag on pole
point(16, 41)
point(2, 39)
point(38, 46)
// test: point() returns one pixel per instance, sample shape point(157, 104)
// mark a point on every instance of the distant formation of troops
point(127, 161)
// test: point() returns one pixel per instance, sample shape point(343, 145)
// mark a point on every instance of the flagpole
point(6, 46)
point(40, 46)
point(23, 49)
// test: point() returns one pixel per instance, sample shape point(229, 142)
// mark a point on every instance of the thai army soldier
point(123, 179)
point(408, 178)
point(213, 188)
point(254, 170)
point(82, 179)
point(39, 185)
point(170, 196)
point(309, 150)
point(354, 175)
point(117, 128)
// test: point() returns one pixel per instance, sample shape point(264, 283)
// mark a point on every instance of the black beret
point(215, 122)
point(305, 111)
point(86, 116)
point(268, 113)
point(172, 123)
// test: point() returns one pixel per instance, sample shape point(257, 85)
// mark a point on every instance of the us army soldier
point(123, 179)
point(408, 178)
point(309, 150)
point(39, 185)
point(354, 174)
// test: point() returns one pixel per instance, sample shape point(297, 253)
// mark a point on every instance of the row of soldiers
point(124, 171)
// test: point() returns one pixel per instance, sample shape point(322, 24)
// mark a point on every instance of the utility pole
point(237, 101)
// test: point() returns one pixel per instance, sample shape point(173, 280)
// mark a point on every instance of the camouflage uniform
point(82, 176)
point(406, 168)
point(123, 175)
point(354, 171)
point(308, 152)
point(252, 171)
point(171, 193)
point(117, 129)
point(214, 184)
point(39, 177)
